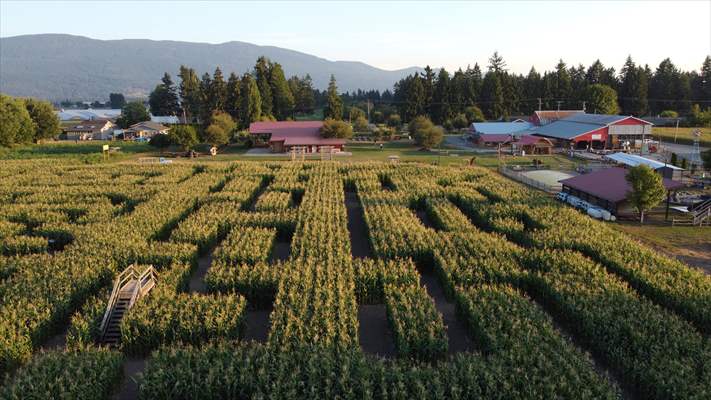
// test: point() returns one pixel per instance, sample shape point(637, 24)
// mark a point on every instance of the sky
point(399, 34)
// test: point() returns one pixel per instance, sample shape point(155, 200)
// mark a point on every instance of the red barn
point(281, 136)
point(596, 131)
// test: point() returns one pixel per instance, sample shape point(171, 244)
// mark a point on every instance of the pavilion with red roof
point(281, 136)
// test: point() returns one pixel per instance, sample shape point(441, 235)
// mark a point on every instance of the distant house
point(146, 129)
point(100, 129)
point(281, 136)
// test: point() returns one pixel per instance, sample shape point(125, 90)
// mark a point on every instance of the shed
point(530, 144)
point(607, 188)
point(666, 170)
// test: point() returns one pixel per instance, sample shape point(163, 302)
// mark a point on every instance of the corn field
point(556, 305)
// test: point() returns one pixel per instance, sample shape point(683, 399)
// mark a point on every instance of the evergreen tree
point(633, 89)
point(283, 99)
point(117, 100)
point(563, 88)
point(497, 63)
point(415, 100)
point(532, 89)
point(704, 81)
point(428, 79)
point(262, 72)
point(251, 102)
point(232, 98)
point(189, 92)
point(663, 87)
point(163, 100)
point(133, 113)
point(334, 106)
point(492, 96)
point(217, 96)
point(441, 109)
point(205, 103)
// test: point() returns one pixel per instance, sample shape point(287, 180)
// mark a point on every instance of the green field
point(683, 135)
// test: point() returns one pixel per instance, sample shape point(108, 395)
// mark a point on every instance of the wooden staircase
point(129, 286)
point(699, 215)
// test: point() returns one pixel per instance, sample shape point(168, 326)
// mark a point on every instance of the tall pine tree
point(251, 102)
point(334, 105)
point(232, 98)
point(189, 92)
point(283, 100)
point(262, 72)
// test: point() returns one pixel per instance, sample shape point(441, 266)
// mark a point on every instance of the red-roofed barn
point(281, 136)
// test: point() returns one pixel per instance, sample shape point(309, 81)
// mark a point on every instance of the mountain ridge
point(64, 66)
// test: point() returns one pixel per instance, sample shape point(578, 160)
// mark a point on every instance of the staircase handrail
point(144, 280)
point(124, 276)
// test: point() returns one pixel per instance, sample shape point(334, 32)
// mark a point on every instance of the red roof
point(494, 137)
point(294, 133)
point(608, 184)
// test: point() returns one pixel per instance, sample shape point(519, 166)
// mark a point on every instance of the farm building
point(499, 128)
point(545, 117)
point(529, 144)
point(281, 136)
point(631, 160)
point(89, 114)
point(99, 129)
point(595, 131)
point(607, 188)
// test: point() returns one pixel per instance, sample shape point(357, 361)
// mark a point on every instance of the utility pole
point(584, 105)
point(559, 102)
point(368, 105)
point(539, 104)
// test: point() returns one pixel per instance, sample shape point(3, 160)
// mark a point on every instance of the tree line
point(258, 95)
point(635, 90)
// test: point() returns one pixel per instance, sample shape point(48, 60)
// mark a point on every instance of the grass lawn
point(690, 244)
point(684, 135)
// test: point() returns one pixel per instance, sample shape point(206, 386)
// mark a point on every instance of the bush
point(394, 121)
point(160, 141)
point(336, 129)
point(669, 114)
point(474, 114)
point(460, 121)
point(424, 132)
point(360, 124)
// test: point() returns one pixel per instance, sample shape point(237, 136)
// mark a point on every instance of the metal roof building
point(499, 128)
point(606, 188)
point(633, 160)
point(594, 130)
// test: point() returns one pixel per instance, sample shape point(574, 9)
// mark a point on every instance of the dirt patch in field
point(374, 332)
point(357, 228)
point(457, 334)
point(129, 387)
point(197, 280)
point(256, 325)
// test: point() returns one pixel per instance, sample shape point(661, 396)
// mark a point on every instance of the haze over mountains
point(58, 66)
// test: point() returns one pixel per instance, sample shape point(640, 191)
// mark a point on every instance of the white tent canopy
point(634, 160)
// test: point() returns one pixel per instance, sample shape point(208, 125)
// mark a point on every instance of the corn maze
point(324, 280)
